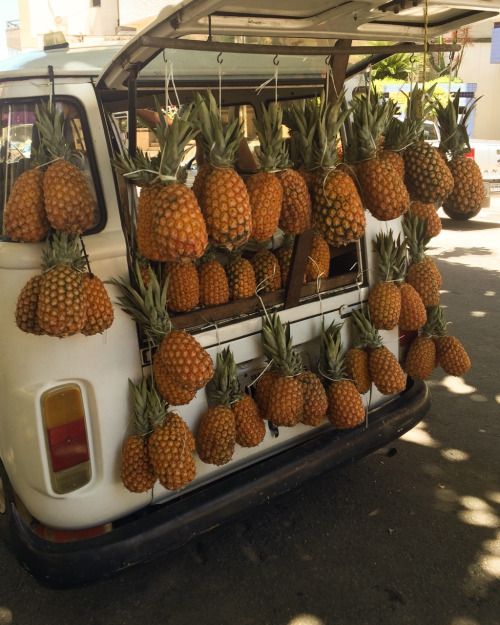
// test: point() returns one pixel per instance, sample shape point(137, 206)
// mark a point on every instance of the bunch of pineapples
point(65, 298)
point(55, 193)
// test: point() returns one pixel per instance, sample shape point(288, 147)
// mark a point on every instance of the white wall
point(476, 67)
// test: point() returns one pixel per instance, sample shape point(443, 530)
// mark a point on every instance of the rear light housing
point(66, 438)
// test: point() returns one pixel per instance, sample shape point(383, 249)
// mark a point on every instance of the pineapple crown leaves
point(224, 388)
point(391, 256)
point(157, 407)
point(301, 118)
point(453, 125)
point(435, 324)
point(139, 396)
point(220, 141)
point(63, 249)
point(331, 117)
point(272, 152)
point(146, 304)
point(278, 347)
point(370, 117)
point(368, 336)
point(139, 169)
point(332, 364)
point(420, 105)
point(416, 238)
point(51, 126)
point(399, 134)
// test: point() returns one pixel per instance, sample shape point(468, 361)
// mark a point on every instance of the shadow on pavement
point(471, 224)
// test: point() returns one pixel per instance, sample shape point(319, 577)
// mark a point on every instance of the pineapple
point(422, 270)
point(383, 190)
point(27, 306)
point(199, 183)
point(267, 271)
point(179, 353)
point(413, 314)
point(263, 389)
point(285, 402)
point(338, 213)
point(385, 371)
point(183, 290)
point(345, 405)
point(450, 353)
point(170, 446)
point(397, 137)
point(384, 300)
point(137, 472)
point(295, 215)
point(301, 119)
point(427, 210)
point(318, 262)
point(170, 225)
point(61, 308)
point(315, 399)
point(99, 309)
point(214, 285)
point(24, 217)
point(69, 202)
point(284, 255)
point(264, 188)
point(421, 358)
point(172, 392)
point(468, 190)
point(241, 276)
point(427, 175)
point(226, 207)
point(357, 369)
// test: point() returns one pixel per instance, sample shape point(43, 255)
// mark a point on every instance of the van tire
point(459, 216)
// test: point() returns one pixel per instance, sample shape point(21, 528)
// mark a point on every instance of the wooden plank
point(338, 65)
point(301, 251)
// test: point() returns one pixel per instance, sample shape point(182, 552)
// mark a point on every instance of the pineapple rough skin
point(315, 399)
point(421, 358)
point(216, 435)
point(24, 217)
point(451, 355)
point(27, 305)
point(250, 427)
point(285, 405)
point(99, 309)
point(137, 473)
point(345, 405)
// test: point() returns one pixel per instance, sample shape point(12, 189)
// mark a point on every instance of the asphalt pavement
point(407, 536)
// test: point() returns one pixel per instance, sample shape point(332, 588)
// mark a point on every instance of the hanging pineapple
point(301, 119)
point(183, 290)
point(398, 135)
point(385, 371)
point(267, 271)
point(99, 314)
point(170, 226)
point(285, 400)
point(427, 175)
point(427, 210)
point(450, 353)
point(423, 273)
point(284, 255)
point(382, 188)
point(318, 261)
point(24, 217)
point(69, 202)
point(241, 277)
point(27, 307)
point(214, 285)
point(468, 190)
point(227, 210)
point(137, 472)
point(345, 406)
point(179, 354)
point(315, 399)
point(357, 368)
point(264, 188)
point(420, 360)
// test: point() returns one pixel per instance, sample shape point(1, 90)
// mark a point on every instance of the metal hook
point(165, 60)
point(276, 60)
point(328, 59)
point(220, 60)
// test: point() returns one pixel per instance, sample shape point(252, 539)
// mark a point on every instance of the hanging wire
point(426, 41)
point(220, 60)
point(169, 78)
point(274, 78)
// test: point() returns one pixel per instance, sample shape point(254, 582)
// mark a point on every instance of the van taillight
point(66, 438)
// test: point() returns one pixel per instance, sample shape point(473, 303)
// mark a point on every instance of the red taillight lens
point(66, 437)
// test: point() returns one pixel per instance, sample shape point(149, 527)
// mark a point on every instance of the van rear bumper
point(160, 528)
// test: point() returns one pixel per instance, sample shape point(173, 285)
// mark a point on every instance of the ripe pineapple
point(315, 399)
point(98, 307)
point(137, 472)
point(200, 181)
point(384, 300)
point(170, 446)
point(183, 291)
point(450, 353)
point(357, 369)
point(267, 271)
point(62, 308)
point(24, 217)
point(382, 188)
point(385, 371)
point(468, 190)
point(285, 403)
point(421, 271)
point(214, 285)
point(397, 137)
point(421, 358)
point(338, 213)
point(69, 202)
point(170, 225)
point(318, 262)
point(241, 277)
point(180, 354)
point(427, 175)
point(264, 188)
point(301, 119)
point(345, 406)
point(226, 207)
point(27, 306)
point(172, 392)
point(296, 207)
point(413, 314)
point(427, 210)
point(284, 255)
point(263, 389)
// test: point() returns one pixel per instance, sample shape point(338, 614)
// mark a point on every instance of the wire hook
point(220, 60)
point(328, 59)
point(164, 53)
point(276, 60)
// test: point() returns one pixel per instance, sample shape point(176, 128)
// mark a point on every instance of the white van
point(63, 507)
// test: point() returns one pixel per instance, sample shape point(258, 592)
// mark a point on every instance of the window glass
point(19, 140)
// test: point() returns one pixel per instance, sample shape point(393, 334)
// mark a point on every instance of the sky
point(8, 11)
